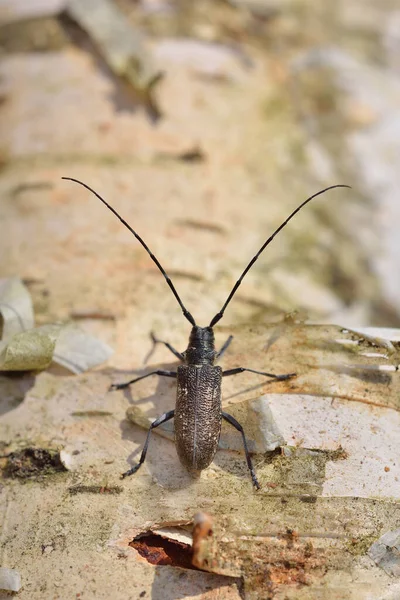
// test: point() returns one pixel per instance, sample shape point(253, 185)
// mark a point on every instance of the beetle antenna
point(220, 314)
point(153, 258)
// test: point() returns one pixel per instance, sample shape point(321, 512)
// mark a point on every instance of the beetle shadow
point(14, 386)
point(252, 388)
point(231, 458)
point(363, 373)
point(167, 470)
point(161, 390)
point(161, 460)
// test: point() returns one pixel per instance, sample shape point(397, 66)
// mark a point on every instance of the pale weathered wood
point(261, 140)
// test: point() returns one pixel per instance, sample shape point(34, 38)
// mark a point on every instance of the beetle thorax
point(201, 348)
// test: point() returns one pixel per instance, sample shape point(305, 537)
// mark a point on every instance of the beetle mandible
point(198, 411)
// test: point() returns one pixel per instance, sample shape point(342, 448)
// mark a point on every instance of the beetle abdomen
point(197, 415)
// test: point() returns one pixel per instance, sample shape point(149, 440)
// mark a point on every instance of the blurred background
point(204, 124)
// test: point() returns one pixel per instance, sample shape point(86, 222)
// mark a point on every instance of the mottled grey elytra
point(198, 411)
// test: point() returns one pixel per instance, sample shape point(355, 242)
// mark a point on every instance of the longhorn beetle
point(198, 412)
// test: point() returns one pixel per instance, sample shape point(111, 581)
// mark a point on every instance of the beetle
point(198, 411)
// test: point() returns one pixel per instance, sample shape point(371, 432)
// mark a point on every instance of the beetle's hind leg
point(238, 426)
point(272, 375)
point(163, 419)
point(121, 386)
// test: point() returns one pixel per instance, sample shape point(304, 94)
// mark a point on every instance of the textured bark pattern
point(198, 415)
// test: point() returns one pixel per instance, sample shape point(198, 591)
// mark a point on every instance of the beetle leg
point(155, 341)
point(238, 426)
point(163, 419)
point(120, 386)
point(224, 348)
point(243, 369)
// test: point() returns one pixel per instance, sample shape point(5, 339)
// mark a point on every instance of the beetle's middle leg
point(238, 426)
point(163, 419)
point(243, 369)
point(120, 386)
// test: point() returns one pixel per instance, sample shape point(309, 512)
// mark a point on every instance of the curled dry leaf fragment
point(29, 350)
point(78, 351)
point(24, 347)
point(122, 47)
point(16, 310)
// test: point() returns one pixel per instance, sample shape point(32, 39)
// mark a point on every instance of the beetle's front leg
point(156, 341)
point(272, 375)
point(163, 419)
point(120, 386)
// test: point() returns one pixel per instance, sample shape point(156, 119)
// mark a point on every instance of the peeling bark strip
point(202, 533)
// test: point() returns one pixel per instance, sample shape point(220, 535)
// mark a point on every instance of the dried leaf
point(79, 351)
point(30, 350)
point(16, 310)
point(25, 348)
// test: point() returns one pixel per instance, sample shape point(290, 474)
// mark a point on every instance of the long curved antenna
point(220, 314)
point(153, 258)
